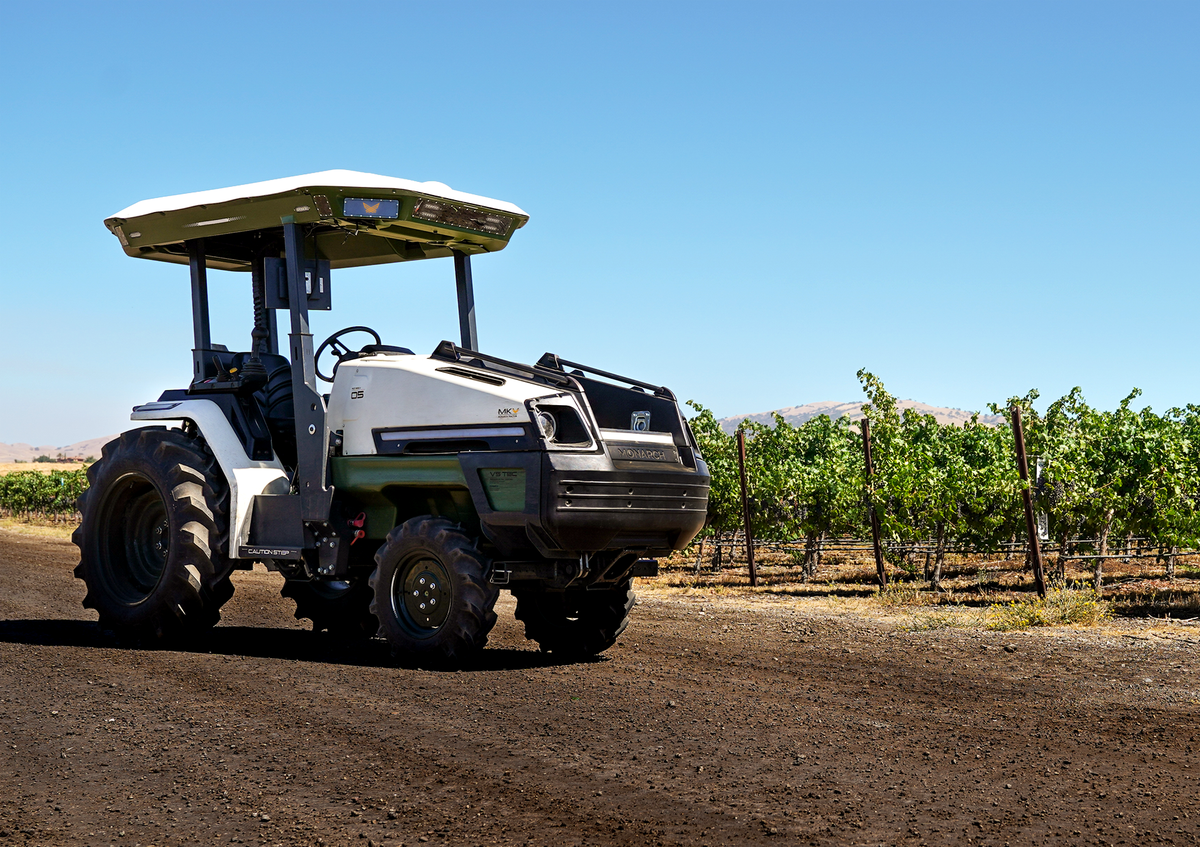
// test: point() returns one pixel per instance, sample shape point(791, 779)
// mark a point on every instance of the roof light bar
point(439, 211)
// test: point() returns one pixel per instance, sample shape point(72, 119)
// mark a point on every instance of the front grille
point(598, 495)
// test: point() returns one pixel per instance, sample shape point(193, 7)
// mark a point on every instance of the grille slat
point(588, 496)
point(665, 495)
point(606, 483)
point(680, 510)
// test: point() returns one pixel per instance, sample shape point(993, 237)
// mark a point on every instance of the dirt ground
point(718, 719)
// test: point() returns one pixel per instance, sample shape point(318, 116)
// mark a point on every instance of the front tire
point(576, 623)
point(154, 518)
point(432, 597)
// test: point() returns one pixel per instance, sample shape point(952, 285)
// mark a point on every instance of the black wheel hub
point(135, 541)
point(422, 595)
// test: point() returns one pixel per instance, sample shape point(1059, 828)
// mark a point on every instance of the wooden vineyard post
point(879, 569)
point(1035, 551)
point(741, 439)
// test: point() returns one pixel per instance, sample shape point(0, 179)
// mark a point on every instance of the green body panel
point(231, 229)
point(505, 488)
point(392, 489)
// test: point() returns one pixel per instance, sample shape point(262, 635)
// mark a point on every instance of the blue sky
point(745, 202)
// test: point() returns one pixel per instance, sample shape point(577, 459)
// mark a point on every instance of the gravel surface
point(716, 720)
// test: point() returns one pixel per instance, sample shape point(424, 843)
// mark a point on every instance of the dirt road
point(714, 721)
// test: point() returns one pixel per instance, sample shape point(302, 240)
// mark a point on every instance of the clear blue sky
point(746, 202)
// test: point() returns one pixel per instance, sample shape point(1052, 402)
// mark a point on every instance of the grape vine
point(35, 493)
point(1106, 475)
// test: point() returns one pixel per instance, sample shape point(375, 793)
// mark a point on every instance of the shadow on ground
point(269, 643)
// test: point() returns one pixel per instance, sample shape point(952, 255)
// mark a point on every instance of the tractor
point(403, 496)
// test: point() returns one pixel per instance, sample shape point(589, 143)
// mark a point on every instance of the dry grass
point(903, 594)
point(41, 467)
point(38, 528)
point(1159, 599)
point(945, 617)
point(977, 592)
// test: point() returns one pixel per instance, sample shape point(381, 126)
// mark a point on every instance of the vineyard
point(45, 495)
point(1107, 483)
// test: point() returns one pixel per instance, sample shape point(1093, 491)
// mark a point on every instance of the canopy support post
point(202, 344)
point(466, 300)
point(312, 435)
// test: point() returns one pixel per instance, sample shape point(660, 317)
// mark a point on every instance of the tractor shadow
point(282, 644)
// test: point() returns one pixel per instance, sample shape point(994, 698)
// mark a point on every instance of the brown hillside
point(27, 452)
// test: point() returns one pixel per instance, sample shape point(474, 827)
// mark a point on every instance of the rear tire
point(342, 607)
point(152, 536)
point(576, 623)
point(279, 409)
point(432, 598)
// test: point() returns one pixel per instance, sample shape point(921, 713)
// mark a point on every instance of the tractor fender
point(246, 477)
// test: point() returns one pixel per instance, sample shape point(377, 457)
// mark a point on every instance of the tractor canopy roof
point(349, 218)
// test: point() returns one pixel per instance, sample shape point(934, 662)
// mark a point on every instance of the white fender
point(245, 476)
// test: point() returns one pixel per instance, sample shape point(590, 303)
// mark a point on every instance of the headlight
point(547, 425)
point(560, 424)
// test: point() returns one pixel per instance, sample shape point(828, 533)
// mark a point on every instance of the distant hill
point(799, 414)
point(27, 452)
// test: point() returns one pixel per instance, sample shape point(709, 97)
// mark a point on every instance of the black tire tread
point(196, 583)
point(468, 633)
point(348, 616)
point(602, 618)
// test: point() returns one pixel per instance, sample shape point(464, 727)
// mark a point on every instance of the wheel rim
point(135, 540)
point(422, 595)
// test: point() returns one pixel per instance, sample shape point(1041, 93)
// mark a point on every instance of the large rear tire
point(152, 538)
point(432, 598)
point(340, 607)
point(576, 623)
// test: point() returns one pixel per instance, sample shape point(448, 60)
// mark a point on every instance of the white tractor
point(406, 497)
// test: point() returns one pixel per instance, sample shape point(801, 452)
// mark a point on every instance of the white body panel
point(246, 477)
point(397, 390)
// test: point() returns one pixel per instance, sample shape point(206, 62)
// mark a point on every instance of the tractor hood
point(349, 218)
point(394, 403)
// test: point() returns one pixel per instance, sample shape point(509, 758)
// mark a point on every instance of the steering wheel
point(339, 349)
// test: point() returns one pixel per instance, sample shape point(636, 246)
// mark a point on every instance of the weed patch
point(1061, 607)
point(944, 617)
point(901, 594)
